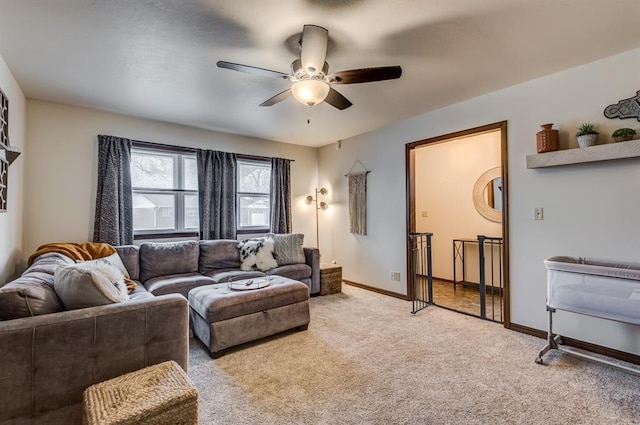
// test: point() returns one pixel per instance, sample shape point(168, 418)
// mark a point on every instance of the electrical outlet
point(425, 214)
point(395, 276)
point(538, 213)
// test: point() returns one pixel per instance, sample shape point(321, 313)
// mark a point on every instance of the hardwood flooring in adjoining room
point(466, 299)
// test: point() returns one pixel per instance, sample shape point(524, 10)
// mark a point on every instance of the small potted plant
point(623, 134)
point(586, 134)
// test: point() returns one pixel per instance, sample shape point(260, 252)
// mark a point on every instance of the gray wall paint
point(590, 210)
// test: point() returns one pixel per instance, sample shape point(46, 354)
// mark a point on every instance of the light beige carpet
point(366, 360)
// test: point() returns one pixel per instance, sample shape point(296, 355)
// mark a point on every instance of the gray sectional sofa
point(49, 355)
point(181, 266)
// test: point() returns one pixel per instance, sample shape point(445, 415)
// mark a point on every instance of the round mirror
point(487, 194)
point(493, 194)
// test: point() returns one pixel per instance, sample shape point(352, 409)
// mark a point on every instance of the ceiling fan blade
point(253, 70)
point(337, 100)
point(277, 98)
point(314, 48)
point(365, 75)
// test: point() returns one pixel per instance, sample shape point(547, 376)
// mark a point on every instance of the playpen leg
point(552, 343)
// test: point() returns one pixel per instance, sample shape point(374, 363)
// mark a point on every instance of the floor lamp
point(320, 205)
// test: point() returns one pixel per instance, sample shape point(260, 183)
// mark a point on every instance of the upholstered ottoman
point(161, 394)
point(223, 317)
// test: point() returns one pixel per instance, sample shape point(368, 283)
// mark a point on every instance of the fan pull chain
point(308, 114)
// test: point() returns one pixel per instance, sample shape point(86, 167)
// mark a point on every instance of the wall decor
point(4, 120)
point(358, 199)
point(4, 172)
point(10, 152)
point(4, 143)
point(626, 108)
point(487, 194)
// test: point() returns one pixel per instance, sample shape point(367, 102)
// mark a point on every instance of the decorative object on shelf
point(357, 199)
point(547, 139)
point(626, 108)
point(586, 135)
point(623, 134)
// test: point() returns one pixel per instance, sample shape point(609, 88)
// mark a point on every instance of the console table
point(459, 252)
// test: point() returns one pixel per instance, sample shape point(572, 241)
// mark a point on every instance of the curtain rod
point(162, 146)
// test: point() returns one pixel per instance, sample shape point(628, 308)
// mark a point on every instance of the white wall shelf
point(606, 152)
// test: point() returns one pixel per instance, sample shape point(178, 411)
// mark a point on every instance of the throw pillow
point(288, 248)
point(257, 253)
point(87, 285)
point(114, 260)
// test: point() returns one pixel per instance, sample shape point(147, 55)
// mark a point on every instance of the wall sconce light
point(320, 205)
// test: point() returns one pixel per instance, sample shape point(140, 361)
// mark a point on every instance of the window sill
point(150, 236)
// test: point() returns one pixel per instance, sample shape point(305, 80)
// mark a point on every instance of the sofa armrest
point(47, 361)
point(312, 257)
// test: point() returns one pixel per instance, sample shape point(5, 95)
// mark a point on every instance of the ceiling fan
point(310, 74)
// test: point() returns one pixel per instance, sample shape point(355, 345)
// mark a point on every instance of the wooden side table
point(330, 278)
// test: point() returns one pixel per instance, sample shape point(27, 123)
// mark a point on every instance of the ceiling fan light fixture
point(310, 92)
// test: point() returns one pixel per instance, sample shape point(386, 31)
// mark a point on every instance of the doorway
point(457, 191)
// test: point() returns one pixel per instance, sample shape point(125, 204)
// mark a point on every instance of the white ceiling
point(157, 58)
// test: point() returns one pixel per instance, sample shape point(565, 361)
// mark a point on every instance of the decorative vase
point(547, 139)
point(622, 138)
point(587, 140)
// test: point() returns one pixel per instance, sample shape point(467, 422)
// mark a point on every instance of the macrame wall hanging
point(358, 198)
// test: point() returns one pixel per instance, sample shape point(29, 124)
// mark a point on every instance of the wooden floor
point(466, 299)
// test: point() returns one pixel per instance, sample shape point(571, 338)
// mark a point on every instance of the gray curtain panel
point(114, 201)
point(217, 194)
point(358, 203)
point(280, 195)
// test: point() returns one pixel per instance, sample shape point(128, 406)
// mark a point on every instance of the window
point(253, 204)
point(165, 192)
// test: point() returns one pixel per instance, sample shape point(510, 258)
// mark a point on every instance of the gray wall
point(590, 210)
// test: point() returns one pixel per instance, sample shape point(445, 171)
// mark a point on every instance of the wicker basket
point(161, 394)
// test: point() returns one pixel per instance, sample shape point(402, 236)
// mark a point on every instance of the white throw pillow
point(113, 259)
point(257, 253)
point(89, 284)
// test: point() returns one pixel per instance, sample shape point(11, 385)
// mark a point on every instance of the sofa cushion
point(89, 284)
point(167, 258)
point(293, 271)
point(218, 254)
point(30, 295)
point(288, 248)
point(176, 283)
point(257, 253)
point(140, 292)
point(130, 256)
